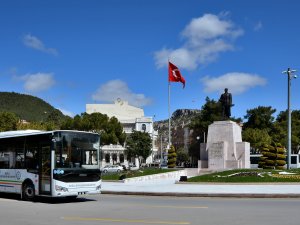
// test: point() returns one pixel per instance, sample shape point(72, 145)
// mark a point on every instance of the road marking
point(6, 200)
point(168, 206)
point(126, 220)
point(178, 207)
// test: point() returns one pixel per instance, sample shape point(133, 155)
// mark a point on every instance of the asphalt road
point(125, 210)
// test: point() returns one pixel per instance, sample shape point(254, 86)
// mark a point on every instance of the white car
point(163, 166)
point(133, 167)
point(111, 169)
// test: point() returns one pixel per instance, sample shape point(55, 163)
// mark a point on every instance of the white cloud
point(236, 82)
point(258, 26)
point(33, 42)
point(204, 39)
point(37, 82)
point(115, 89)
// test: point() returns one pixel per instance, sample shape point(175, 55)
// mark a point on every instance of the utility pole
point(290, 75)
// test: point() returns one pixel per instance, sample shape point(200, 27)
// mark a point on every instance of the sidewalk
point(171, 187)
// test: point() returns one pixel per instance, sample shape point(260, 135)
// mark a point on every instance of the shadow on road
point(47, 200)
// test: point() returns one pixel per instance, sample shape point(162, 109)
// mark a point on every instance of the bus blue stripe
point(2, 185)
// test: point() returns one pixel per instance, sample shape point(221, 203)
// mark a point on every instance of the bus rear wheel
point(28, 191)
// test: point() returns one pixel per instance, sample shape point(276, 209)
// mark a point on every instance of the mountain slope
point(179, 120)
point(27, 107)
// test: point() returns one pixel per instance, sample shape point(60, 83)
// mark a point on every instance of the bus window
point(31, 159)
point(4, 160)
point(19, 159)
point(76, 151)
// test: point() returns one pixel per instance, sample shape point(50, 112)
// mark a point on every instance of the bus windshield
point(76, 150)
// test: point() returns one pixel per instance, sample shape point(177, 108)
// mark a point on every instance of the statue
point(226, 101)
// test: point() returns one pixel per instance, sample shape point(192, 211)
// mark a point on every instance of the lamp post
point(289, 73)
point(161, 150)
point(152, 137)
point(198, 138)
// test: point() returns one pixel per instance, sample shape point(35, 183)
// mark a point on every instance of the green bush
point(270, 162)
point(171, 157)
point(281, 157)
point(280, 162)
point(281, 150)
point(270, 155)
point(261, 164)
point(273, 157)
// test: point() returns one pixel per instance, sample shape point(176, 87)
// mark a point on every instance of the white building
point(131, 118)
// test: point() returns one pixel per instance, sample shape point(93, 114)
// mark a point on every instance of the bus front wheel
point(28, 191)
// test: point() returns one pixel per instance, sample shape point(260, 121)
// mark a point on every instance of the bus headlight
point(60, 188)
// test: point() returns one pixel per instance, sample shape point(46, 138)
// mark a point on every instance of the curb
point(222, 195)
point(246, 183)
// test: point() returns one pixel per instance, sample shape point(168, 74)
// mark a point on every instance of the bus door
point(45, 169)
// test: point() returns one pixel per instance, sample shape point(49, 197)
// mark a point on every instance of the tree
point(110, 129)
point(54, 119)
point(260, 118)
point(37, 126)
point(211, 111)
point(182, 156)
point(256, 137)
point(279, 132)
point(138, 145)
point(8, 121)
point(67, 123)
point(171, 157)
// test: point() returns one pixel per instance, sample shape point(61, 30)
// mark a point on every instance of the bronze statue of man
point(226, 101)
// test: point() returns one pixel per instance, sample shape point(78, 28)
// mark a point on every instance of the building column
point(118, 157)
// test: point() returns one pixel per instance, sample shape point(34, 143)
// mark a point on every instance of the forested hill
point(27, 107)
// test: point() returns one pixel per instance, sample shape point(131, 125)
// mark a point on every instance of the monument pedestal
point(224, 148)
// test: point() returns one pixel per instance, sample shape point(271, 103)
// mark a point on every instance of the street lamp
point(289, 72)
point(198, 138)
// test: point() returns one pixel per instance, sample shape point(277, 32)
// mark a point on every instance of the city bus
point(60, 163)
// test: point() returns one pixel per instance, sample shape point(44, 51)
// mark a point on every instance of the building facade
point(131, 118)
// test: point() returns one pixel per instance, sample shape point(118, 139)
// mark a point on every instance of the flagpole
point(169, 95)
point(169, 113)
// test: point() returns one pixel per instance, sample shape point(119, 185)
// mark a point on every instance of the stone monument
point(224, 148)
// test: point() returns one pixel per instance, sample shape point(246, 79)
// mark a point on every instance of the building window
point(144, 127)
point(114, 158)
point(107, 158)
point(121, 158)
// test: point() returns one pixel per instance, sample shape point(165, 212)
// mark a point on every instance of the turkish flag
point(175, 75)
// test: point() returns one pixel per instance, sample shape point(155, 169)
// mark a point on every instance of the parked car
point(111, 169)
point(163, 166)
point(133, 167)
point(124, 167)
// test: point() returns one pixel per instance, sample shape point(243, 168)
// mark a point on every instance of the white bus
point(58, 163)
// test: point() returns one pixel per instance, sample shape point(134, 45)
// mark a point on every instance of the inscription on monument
point(216, 150)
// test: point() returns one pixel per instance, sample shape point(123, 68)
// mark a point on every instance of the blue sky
point(71, 53)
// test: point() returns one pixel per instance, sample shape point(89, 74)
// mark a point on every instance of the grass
point(137, 173)
point(249, 176)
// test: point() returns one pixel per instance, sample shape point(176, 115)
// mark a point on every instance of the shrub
point(171, 157)
point(273, 157)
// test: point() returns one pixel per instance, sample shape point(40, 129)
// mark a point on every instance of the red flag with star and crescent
point(175, 75)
